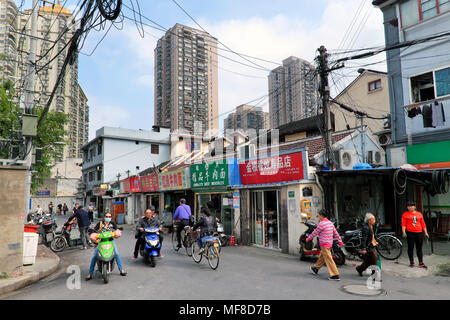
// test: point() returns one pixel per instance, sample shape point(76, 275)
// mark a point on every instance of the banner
point(210, 174)
point(282, 168)
point(173, 180)
point(149, 183)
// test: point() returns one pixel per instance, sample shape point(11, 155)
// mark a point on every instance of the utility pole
point(363, 140)
point(324, 91)
point(29, 108)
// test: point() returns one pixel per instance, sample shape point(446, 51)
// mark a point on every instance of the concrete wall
point(12, 213)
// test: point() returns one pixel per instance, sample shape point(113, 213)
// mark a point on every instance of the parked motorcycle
point(219, 234)
point(312, 249)
point(152, 245)
point(47, 226)
point(63, 239)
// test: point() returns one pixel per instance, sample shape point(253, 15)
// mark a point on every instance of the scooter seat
point(352, 232)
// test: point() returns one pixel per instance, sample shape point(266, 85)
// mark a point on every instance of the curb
point(31, 277)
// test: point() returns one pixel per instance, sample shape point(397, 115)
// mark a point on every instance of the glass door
point(257, 218)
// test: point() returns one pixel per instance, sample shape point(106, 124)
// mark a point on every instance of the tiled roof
point(315, 145)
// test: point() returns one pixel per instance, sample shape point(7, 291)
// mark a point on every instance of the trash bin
point(30, 243)
point(120, 218)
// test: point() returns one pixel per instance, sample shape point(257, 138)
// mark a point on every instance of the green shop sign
point(209, 174)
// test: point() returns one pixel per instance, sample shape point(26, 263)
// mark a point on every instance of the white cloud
point(102, 113)
point(145, 80)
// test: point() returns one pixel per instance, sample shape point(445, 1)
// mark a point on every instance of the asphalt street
point(244, 273)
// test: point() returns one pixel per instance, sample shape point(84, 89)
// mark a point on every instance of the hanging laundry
point(438, 114)
point(414, 112)
point(427, 113)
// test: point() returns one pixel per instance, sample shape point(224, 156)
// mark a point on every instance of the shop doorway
point(221, 206)
point(153, 200)
point(265, 227)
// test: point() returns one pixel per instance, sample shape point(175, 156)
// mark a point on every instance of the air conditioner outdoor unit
point(384, 140)
point(376, 157)
point(347, 159)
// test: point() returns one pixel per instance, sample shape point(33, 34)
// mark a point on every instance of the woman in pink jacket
point(327, 233)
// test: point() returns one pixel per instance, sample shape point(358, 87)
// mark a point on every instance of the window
point(442, 80)
point(155, 149)
point(99, 175)
point(374, 85)
point(422, 87)
point(91, 176)
point(413, 11)
point(99, 148)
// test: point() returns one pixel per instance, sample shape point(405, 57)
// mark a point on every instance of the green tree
point(9, 119)
point(50, 135)
point(50, 138)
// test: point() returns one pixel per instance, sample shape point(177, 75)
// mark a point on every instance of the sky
point(116, 68)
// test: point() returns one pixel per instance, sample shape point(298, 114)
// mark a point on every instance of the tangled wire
point(438, 184)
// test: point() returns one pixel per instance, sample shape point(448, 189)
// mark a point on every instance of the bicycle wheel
point(213, 256)
point(195, 248)
point(188, 244)
point(389, 247)
point(174, 240)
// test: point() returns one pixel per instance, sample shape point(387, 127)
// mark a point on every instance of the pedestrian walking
point(50, 207)
point(368, 244)
point(183, 213)
point(414, 229)
point(83, 224)
point(326, 232)
point(65, 208)
point(91, 211)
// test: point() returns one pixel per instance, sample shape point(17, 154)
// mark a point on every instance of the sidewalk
point(45, 264)
point(437, 263)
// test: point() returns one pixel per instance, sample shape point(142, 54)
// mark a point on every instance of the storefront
point(214, 185)
point(149, 186)
point(271, 199)
point(174, 185)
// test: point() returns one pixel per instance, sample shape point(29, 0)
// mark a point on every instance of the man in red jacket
point(413, 228)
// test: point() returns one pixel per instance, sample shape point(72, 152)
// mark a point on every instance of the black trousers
point(414, 239)
point(369, 259)
point(180, 226)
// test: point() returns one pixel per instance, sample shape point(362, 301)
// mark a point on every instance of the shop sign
point(281, 168)
point(210, 174)
point(236, 200)
point(434, 155)
point(43, 193)
point(98, 191)
point(125, 186)
point(149, 183)
point(173, 180)
point(134, 184)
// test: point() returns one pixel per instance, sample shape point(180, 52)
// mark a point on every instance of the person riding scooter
point(103, 226)
point(208, 226)
point(150, 220)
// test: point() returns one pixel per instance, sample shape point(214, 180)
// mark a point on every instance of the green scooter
point(106, 254)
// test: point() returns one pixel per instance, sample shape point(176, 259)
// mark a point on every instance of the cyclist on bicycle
point(183, 213)
point(208, 226)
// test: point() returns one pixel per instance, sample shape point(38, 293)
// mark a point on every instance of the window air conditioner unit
point(347, 159)
point(384, 140)
point(376, 157)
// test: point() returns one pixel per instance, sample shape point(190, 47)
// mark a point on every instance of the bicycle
point(389, 246)
point(212, 252)
point(186, 239)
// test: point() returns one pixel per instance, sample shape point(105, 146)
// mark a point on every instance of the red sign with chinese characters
point(149, 183)
point(134, 184)
point(286, 167)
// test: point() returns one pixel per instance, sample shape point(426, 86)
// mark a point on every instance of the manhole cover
point(362, 290)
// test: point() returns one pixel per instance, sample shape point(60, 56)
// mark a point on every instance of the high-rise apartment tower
point(292, 92)
point(186, 80)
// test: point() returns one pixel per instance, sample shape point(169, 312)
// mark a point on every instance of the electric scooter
point(312, 249)
point(106, 254)
point(152, 245)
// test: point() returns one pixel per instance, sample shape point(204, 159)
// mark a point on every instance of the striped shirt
point(327, 233)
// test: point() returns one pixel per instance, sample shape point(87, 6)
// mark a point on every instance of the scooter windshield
point(151, 230)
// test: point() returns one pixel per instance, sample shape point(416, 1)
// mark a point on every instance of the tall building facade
point(55, 26)
point(8, 40)
point(247, 117)
point(292, 92)
point(186, 80)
